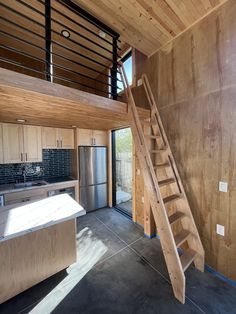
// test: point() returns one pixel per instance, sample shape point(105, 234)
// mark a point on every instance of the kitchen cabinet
point(55, 138)
point(66, 137)
point(24, 196)
point(1, 145)
point(32, 143)
point(88, 137)
point(21, 143)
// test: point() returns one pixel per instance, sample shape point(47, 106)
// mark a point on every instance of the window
point(127, 62)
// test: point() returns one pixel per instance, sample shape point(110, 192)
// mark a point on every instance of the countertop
point(9, 188)
point(18, 220)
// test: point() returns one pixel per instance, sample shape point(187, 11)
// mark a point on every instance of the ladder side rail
point(153, 105)
point(166, 236)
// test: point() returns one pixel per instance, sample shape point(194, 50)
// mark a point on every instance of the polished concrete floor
point(120, 271)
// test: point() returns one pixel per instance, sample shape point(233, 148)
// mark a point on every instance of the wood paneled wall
point(194, 82)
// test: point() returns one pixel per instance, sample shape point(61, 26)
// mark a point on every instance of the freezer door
point(92, 165)
point(93, 197)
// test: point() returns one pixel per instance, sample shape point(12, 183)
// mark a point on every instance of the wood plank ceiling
point(148, 25)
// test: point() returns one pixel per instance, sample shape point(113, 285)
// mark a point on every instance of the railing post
point(114, 69)
point(48, 46)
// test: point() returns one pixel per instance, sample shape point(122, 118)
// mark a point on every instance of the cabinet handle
point(21, 156)
point(26, 157)
point(61, 143)
point(57, 143)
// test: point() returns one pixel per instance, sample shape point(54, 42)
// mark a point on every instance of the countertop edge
point(49, 224)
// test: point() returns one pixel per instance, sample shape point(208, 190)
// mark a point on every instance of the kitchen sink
point(29, 184)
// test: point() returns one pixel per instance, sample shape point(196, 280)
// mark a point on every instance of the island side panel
point(33, 257)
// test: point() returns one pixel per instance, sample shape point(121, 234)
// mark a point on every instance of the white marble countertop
point(20, 220)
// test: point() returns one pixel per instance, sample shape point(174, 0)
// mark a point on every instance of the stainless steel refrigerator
point(93, 177)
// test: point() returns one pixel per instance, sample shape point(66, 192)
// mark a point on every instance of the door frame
point(113, 154)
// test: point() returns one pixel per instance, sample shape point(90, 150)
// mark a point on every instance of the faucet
point(24, 173)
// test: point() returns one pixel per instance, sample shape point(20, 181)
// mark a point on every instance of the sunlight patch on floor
point(90, 249)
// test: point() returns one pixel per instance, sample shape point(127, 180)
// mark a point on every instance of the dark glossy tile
point(150, 249)
point(123, 284)
point(210, 293)
point(119, 224)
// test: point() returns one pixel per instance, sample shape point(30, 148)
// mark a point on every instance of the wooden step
point(172, 198)
point(181, 237)
point(160, 166)
point(149, 123)
point(187, 258)
point(159, 150)
point(166, 182)
point(175, 217)
point(153, 136)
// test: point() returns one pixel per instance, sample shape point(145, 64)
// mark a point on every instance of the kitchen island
point(37, 240)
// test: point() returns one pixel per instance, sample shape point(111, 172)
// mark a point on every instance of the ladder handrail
point(169, 249)
point(153, 105)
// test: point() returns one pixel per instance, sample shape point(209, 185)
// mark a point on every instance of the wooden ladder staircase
point(152, 161)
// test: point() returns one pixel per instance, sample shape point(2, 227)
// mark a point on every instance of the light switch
point(38, 169)
point(220, 230)
point(138, 172)
point(223, 187)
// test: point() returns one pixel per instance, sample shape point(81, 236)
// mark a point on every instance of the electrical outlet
point(140, 82)
point(38, 169)
point(142, 199)
point(223, 187)
point(138, 172)
point(220, 230)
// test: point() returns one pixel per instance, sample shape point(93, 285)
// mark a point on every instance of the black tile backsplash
point(56, 163)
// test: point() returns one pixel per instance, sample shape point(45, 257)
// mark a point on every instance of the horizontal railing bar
point(80, 25)
point(54, 76)
point(66, 48)
point(25, 16)
point(54, 64)
point(56, 54)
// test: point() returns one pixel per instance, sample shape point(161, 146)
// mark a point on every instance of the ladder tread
point(159, 166)
point(156, 151)
point(175, 217)
point(166, 181)
point(172, 198)
point(152, 136)
point(181, 237)
point(187, 258)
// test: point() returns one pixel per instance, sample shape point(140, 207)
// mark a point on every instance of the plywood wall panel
point(196, 81)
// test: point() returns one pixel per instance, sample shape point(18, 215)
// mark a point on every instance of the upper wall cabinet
point(1, 145)
point(54, 138)
point(88, 137)
point(21, 143)
point(32, 143)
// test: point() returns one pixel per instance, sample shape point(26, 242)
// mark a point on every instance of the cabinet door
point(66, 138)
point(85, 137)
point(12, 143)
point(32, 143)
point(1, 144)
point(100, 138)
point(50, 138)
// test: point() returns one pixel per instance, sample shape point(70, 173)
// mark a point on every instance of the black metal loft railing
point(58, 41)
